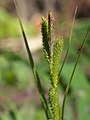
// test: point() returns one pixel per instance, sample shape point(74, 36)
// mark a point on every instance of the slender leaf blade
point(36, 76)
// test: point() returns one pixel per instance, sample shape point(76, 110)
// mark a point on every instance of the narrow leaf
point(73, 72)
point(69, 42)
point(36, 76)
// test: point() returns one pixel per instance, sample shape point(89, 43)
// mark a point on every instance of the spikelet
point(52, 50)
point(50, 24)
point(50, 33)
point(44, 31)
point(57, 49)
point(53, 99)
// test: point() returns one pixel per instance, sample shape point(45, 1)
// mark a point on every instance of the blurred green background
point(19, 98)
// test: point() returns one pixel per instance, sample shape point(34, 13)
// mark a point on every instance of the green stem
point(70, 38)
point(36, 76)
point(69, 83)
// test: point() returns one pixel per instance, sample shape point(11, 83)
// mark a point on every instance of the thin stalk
point(36, 76)
point(69, 42)
point(73, 72)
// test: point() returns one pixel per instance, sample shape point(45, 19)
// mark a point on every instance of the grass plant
point(52, 50)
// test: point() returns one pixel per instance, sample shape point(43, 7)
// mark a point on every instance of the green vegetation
point(14, 71)
point(52, 49)
point(9, 26)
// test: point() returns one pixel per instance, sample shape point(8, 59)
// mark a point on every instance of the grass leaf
point(69, 42)
point(36, 76)
point(71, 78)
